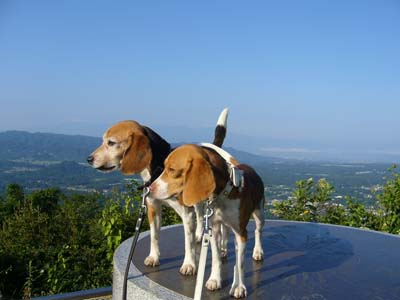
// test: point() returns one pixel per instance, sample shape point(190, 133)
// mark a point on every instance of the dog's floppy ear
point(137, 156)
point(199, 182)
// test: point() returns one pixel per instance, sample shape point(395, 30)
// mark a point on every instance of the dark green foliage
point(25, 240)
point(312, 202)
point(46, 200)
point(309, 202)
point(14, 194)
point(389, 201)
point(14, 197)
point(359, 215)
point(55, 243)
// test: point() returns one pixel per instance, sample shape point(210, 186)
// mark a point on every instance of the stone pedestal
point(301, 261)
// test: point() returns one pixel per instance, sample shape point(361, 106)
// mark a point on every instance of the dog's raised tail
point(220, 129)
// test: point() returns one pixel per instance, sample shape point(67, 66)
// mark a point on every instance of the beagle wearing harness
point(193, 174)
point(136, 149)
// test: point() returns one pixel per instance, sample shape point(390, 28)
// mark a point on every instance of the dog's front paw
point(258, 254)
point(238, 291)
point(213, 284)
point(152, 261)
point(188, 269)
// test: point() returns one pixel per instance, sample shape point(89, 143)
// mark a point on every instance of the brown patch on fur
point(151, 212)
point(219, 169)
point(234, 161)
point(180, 199)
point(137, 154)
point(243, 238)
point(199, 182)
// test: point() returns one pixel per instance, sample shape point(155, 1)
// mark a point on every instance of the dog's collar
point(227, 189)
point(144, 185)
point(236, 181)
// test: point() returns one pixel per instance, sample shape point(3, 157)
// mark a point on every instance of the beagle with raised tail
point(136, 149)
point(196, 173)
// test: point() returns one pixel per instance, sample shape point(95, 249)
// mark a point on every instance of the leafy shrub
point(56, 243)
point(312, 202)
point(389, 204)
point(25, 240)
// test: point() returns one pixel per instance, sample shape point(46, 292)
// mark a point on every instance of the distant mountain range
point(19, 145)
point(339, 150)
point(22, 145)
point(42, 160)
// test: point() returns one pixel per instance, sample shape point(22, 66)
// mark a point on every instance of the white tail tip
point(223, 117)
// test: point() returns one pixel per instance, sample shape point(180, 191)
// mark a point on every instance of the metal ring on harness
point(139, 222)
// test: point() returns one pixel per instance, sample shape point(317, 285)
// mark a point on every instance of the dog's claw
point(238, 291)
point(188, 269)
point(151, 261)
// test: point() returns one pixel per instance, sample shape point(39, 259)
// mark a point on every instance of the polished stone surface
point(302, 261)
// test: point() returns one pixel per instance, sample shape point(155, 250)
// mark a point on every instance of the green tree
point(360, 216)
point(25, 240)
point(14, 197)
point(78, 258)
point(310, 202)
point(14, 194)
point(389, 202)
point(47, 199)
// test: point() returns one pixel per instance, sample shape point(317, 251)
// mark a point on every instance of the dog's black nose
point(90, 159)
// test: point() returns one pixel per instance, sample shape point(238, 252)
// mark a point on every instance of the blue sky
point(297, 75)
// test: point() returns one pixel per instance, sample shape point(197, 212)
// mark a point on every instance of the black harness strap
point(139, 222)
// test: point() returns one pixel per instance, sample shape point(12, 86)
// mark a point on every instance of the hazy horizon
point(301, 79)
point(298, 150)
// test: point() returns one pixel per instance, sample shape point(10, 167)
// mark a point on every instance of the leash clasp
point(146, 192)
point(209, 213)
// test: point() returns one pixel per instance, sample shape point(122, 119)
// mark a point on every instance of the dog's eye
point(174, 173)
point(111, 143)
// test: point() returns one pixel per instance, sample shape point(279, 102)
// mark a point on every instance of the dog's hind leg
point(238, 288)
point(258, 253)
point(225, 230)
